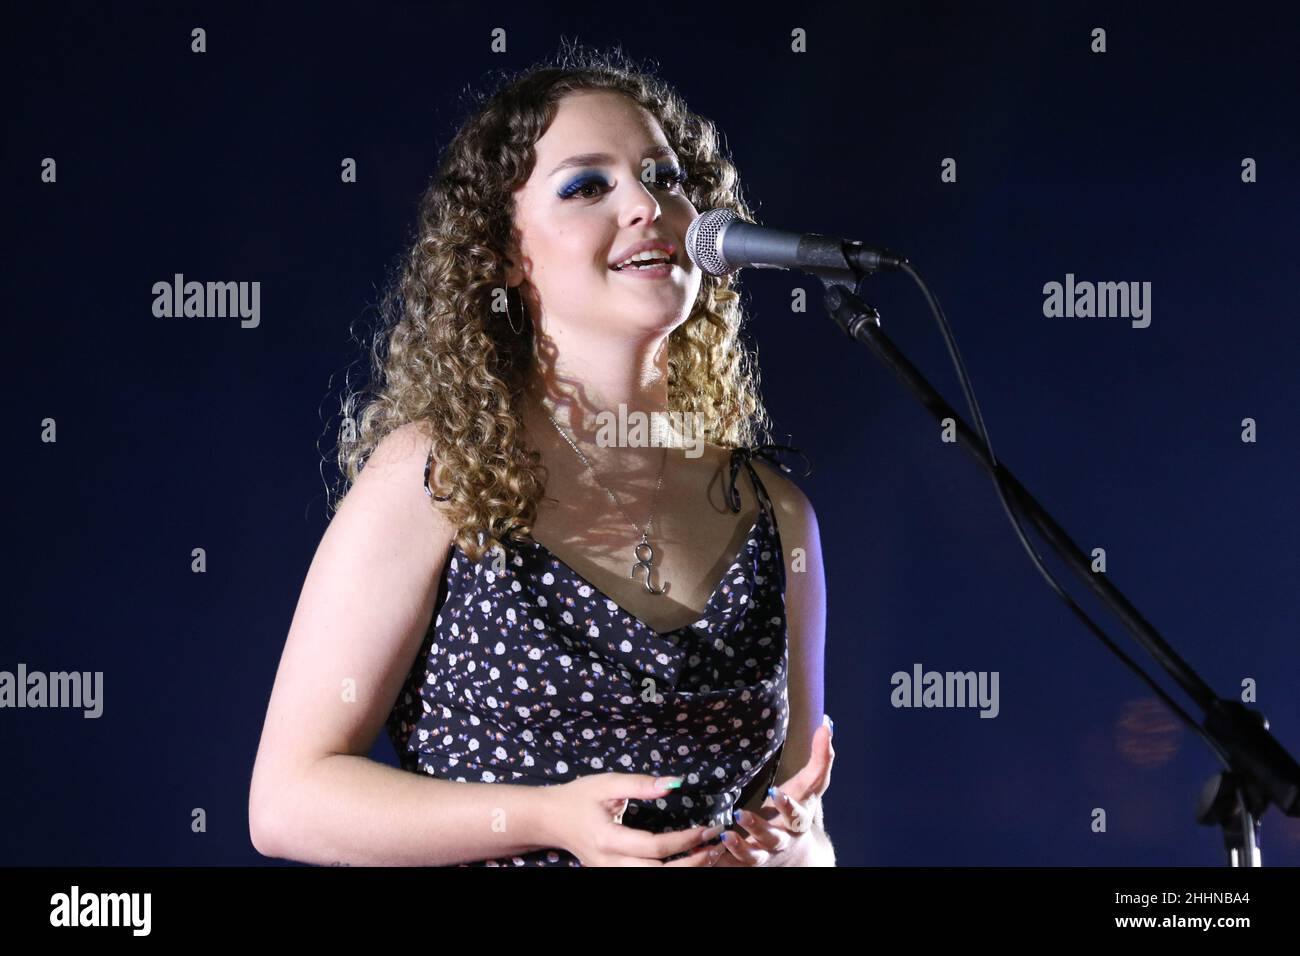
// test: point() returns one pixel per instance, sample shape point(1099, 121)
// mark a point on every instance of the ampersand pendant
point(643, 562)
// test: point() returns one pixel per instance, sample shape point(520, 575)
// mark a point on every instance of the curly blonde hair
point(453, 364)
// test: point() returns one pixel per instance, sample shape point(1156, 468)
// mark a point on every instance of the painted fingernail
point(829, 723)
point(735, 815)
point(723, 838)
point(771, 792)
point(672, 783)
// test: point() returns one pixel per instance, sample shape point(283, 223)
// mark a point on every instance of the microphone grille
point(704, 241)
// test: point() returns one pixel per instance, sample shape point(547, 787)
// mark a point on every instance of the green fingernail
point(673, 784)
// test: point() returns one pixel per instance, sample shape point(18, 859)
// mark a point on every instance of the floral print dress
point(531, 675)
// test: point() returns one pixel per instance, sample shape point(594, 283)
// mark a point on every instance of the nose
point(639, 204)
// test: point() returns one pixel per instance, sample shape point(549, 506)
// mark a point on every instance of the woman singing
point(589, 644)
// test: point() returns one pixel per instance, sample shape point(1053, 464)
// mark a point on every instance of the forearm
point(351, 810)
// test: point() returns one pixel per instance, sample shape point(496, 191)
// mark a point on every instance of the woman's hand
point(585, 817)
point(780, 831)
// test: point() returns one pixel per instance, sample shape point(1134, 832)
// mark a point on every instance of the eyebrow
point(600, 159)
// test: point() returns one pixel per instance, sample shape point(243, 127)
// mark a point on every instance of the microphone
point(720, 242)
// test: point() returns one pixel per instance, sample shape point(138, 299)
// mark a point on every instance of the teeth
point(646, 256)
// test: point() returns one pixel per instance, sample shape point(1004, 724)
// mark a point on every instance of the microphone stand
point(1258, 770)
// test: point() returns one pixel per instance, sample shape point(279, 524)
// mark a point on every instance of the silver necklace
point(644, 551)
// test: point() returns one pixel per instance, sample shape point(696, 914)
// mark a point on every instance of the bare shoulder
point(793, 508)
point(404, 447)
point(396, 470)
point(387, 510)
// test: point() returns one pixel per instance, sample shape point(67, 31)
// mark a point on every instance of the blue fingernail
point(723, 838)
point(735, 815)
point(771, 792)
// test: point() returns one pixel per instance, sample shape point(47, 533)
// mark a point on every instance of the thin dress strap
point(746, 455)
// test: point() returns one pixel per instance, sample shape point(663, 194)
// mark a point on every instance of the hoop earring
point(509, 317)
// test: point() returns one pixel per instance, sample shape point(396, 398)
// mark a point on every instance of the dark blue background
point(175, 434)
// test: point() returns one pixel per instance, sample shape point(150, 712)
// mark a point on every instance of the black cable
point(1012, 513)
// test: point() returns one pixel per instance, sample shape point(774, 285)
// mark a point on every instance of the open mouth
point(657, 270)
point(644, 262)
